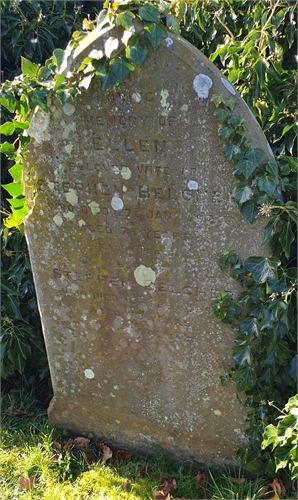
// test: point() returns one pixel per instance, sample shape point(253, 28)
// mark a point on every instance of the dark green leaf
point(60, 82)
point(108, 80)
point(269, 230)
point(222, 114)
point(234, 121)
point(225, 132)
point(245, 378)
point(267, 182)
point(249, 327)
point(242, 193)
point(262, 268)
point(121, 68)
point(272, 167)
point(149, 13)
point(285, 238)
point(250, 211)
point(242, 355)
point(246, 167)
point(155, 33)
point(136, 51)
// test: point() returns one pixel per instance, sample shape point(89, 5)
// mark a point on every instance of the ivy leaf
point(222, 114)
point(242, 355)
point(249, 327)
point(16, 172)
point(231, 150)
point(269, 230)
point(267, 182)
point(103, 18)
point(60, 81)
point(155, 33)
point(106, 77)
point(250, 211)
point(246, 167)
point(149, 13)
point(285, 238)
point(60, 56)
point(136, 51)
point(269, 436)
point(255, 155)
point(262, 268)
point(272, 167)
point(9, 104)
point(7, 128)
point(245, 378)
point(234, 121)
point(7, 148)
point(14, 189)
point(225, 132)
point(121, 68)
point(125, 19)
point(110, 46)
point(28, 67)
point(242, 193)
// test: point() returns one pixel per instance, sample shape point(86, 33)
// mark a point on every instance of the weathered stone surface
point(134, 206)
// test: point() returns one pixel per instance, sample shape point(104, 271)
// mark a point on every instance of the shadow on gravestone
point(134, 205)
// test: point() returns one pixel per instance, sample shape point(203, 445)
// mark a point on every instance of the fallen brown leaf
point(81, 442)
point(201, 478)
point(26, 484)
point(238, 480)
point(106, 453)
point(274, 490)
point(57, 445)
point(168, 486)
point(158, 495)
point(123, 455)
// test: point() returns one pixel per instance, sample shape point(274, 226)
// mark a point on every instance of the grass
point(30, 449)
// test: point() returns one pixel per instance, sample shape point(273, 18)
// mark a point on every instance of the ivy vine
point(263, 318)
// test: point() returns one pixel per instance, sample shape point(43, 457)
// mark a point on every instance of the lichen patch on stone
point(89, 373)
point(94, 207)
point(58, 220)
point(117, 203)
point(71, 197)
point(125, 173)
point(202, 84)
point(144, 276)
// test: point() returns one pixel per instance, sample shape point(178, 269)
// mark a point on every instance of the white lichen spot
point(137, 97)
point(184, 108)
point(124, 189)
point(228, 86)
point(51, 185)
point(169, 41)
point(193, 185)
point(69, 215)
point(67, 129)
point(125, 173)
point(144, 276)
point(38, 128)
point(58, 220)
point(68, 109)
point(117, 203)
point(94, 207)
point(117, 421)
point(68, 148)
point(202, 84)
point(164, 94)
point(71, 197)
point(217, 413)
point(89, 373)
point(116, 170)
point(81, 223)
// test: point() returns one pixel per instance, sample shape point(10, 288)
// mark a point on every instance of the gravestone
point(134, 205)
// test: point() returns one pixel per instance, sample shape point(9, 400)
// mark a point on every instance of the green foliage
point(21, 338)
point(283, 438)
